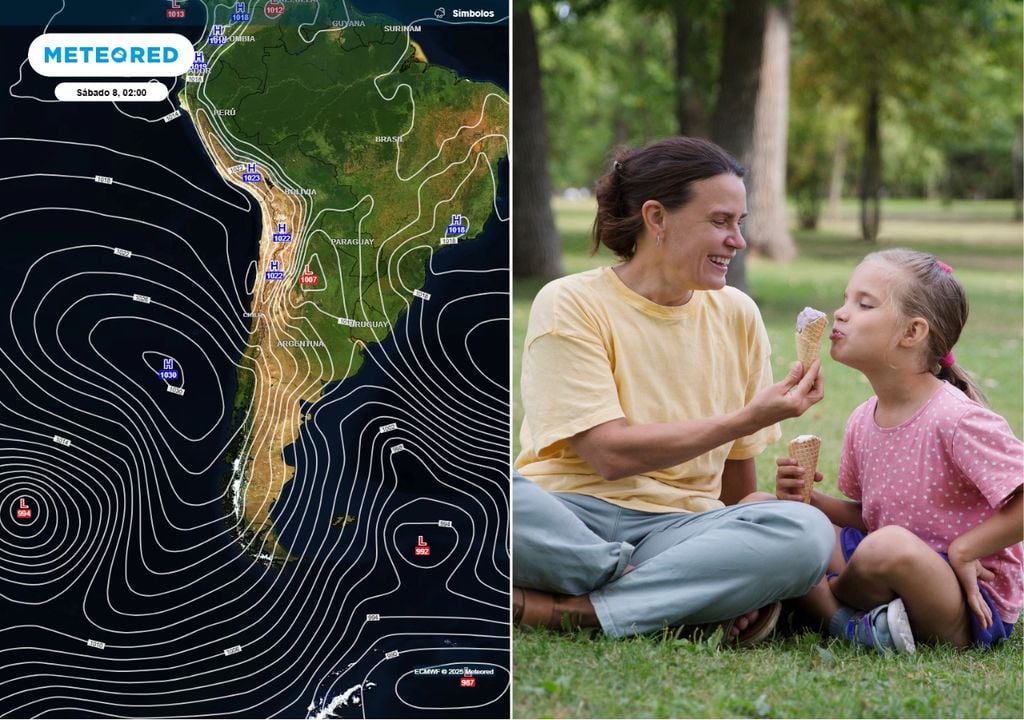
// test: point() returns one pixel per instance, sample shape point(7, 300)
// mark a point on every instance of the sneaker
point(886, 629)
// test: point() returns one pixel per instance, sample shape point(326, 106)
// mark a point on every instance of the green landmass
point(315, 109)
point(320, 109)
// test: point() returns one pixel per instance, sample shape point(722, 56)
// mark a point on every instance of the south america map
point(254, 407)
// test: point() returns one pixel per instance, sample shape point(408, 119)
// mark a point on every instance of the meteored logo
point(111, 54)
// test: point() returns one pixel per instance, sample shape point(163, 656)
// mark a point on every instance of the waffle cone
point(805, 453)
point(808, 342)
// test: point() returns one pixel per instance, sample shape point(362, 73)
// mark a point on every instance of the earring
point(657, 240)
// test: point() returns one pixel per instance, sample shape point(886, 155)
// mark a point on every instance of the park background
point(864, 124)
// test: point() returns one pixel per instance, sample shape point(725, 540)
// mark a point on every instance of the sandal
point(762, 628)
point(756, 632)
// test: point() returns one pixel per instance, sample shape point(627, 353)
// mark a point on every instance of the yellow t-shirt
point(597, 351)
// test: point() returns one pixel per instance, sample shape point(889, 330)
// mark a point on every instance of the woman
point(647, 392)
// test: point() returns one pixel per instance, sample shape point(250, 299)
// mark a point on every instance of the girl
point(930, 540)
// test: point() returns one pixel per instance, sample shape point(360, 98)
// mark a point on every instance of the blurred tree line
point(820, 99)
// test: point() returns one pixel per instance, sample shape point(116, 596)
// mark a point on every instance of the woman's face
point(701, 238)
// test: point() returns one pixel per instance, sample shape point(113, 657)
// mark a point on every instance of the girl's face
point(866, 330)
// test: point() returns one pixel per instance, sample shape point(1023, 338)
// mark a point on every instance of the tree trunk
point(768, 226)
point(682, 82)
point(1018, 175)
point(835, 184)
point(620, 128)
point(871, 175)
point(732, 124)
point(536, 251)
point(691, 68)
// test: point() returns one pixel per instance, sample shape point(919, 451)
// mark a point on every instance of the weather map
point(254, 410)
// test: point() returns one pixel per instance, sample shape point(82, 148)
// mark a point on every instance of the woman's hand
point(617, 449)
point(789, 398)
point(968, 572)
point(789, 480)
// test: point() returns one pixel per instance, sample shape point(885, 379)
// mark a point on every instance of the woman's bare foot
point(755, 626)
point(742, 623)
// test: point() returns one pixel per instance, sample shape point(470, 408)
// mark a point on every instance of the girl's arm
point(842, 513)
point(1003, 529)
point(789, 486)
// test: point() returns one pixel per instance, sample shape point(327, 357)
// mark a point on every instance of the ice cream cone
point(808, 341)
point(804, 450)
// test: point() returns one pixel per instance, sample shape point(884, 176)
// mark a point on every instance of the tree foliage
point(607, 82)
point(947, 76)
point(948, 81)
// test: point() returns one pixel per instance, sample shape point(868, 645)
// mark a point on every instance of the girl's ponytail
point(960, 378)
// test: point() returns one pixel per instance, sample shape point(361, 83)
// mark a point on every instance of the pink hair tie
point(946, 269)
point(948, 360)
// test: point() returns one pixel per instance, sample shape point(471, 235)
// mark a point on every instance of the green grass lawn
point(555, 676)
point(802, 676)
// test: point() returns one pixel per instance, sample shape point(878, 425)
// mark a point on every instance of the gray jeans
point(690, 567)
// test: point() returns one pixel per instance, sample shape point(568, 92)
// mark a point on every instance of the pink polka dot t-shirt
point(942, 472)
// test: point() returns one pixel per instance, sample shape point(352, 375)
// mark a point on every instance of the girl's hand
point(789, 482)
point(968, 572)
point(1000, 531)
